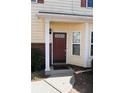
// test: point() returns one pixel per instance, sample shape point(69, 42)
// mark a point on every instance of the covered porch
point(63, 25)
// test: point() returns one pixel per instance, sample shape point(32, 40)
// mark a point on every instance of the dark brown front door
point(59, 47)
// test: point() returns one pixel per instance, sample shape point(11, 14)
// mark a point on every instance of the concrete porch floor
point(60, 69)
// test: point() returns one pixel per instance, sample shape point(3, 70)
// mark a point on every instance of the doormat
point(60, 67)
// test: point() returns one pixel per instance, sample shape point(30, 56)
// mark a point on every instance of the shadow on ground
point(83, 81)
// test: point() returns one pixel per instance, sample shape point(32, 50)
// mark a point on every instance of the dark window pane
point(91, 50)
point(90, 3)
point(92, 37)
point(76, 49)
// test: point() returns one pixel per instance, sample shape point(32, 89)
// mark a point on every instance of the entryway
point(59, 48)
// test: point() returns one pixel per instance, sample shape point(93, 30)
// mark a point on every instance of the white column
point(52, 48)
point(86, 55)
point(47, 46)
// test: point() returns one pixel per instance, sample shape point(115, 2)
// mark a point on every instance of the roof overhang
point(65, 16)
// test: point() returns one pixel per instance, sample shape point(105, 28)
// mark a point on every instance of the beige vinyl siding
point(61, 6)
point(69, 28)
point(37, 25)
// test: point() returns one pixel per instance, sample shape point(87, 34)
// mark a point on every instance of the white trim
point(75, 43)
point(52, 47)
point(66, 18)
point(66, 44)
point(47, 46)
point(66, 47)
point(86, 3)
point(86, 53)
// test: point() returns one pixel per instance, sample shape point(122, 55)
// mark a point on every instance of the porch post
point(47, 46)
point(86, 55)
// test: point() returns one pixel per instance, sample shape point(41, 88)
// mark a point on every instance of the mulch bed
point(83, 81)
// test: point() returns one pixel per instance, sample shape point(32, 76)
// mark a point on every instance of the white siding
point(63, 6)
point(77, 9)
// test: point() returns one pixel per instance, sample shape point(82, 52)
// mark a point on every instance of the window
point(83, 3)
point(33, 0)
point(90, 3)
point(86, 3)
point(76, 43)
point(38, 1)
point(91, 53)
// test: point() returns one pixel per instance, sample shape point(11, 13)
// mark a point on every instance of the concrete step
point(59, 64)
point(66, 72)
point(61, 72)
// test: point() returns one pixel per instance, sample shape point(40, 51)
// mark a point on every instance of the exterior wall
point(69, 28)
point(41, 46)
point(37, 27)
point(38, 39)
point(62, 6)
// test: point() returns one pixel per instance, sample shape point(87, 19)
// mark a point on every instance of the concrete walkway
point(42, 87)
point(53, 84)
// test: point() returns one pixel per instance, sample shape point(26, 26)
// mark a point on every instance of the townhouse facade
point(63, 29)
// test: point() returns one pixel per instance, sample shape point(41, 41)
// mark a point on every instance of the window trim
point(75, 43)
point(87, 5)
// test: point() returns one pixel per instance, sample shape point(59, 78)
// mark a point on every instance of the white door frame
point(52, 45)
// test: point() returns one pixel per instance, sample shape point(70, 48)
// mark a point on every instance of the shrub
point(37, 60)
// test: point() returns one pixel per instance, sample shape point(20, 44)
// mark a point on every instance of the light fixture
point(50, 31)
